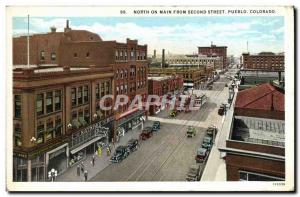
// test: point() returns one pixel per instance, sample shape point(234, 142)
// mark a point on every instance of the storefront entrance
point(58, 159)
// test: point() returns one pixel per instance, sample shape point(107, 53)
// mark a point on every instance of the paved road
point(168, 154)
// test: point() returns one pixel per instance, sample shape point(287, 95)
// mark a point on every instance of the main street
point(167, 155)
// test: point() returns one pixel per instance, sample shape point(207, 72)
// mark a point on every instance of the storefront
point(88, 140)
point(58, 159)
point(130, 120)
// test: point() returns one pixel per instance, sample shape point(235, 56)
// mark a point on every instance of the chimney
point(154, 54)
point(279, 76)
point(53, 29)
point(163, 58)
point(67, 28)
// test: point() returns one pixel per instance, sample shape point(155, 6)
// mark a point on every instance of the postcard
point(150, 98)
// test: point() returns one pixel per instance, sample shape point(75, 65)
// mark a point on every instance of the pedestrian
point(85, 175)
point(82, 167)
point(108, 151)
point(78, 170)
point(93, 160)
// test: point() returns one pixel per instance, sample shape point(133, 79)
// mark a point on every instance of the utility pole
point(28, 60)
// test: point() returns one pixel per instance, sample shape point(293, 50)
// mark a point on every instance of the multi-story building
point(68, 74)
point(192, 61)
point(267, 61)
point(56, 117)
point(215, 51)
point(255, 146)
point(162, 85)
point(192, 77)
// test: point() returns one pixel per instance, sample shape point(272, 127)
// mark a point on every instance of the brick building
point(255, 147)
point(215, 51)
point(263, 61)
point(162, 85)
point(75, 68)
point(192, 77)
point(54, 111)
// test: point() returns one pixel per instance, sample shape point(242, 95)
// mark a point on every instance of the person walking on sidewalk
point(78, 170)
point(82, 167)
point(93, 160)
point(85, 175)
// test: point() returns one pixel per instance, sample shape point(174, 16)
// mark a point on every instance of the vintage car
point(120, 154)
point(191, 131)
point(222, 109)
point(173, 113)
point(202, 154)
point(156, 126)
point(207, 142)
point(194, 173)
point(146, 133)
point(132, 145)
point(212, 131)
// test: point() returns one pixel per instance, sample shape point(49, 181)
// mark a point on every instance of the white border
point(153, 186)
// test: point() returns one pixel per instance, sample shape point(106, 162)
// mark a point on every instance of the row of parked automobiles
point(195, 171)
point(147, 132)
point(132, 145)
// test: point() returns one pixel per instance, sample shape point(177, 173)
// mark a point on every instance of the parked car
point(146, 133)
point(211, 131)
point(156, 126)
point(207, 142)
point(173, 113)
point(132, 145)
point(191, 131)
point(120, 154)
point(222, 109)
point(202, 154)
point(194, 173)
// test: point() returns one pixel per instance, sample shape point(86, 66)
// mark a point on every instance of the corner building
point(57, 116)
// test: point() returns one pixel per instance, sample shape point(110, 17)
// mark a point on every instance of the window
point(42, 55)
point(87, 115)
point(49, 130)
point(79, 96)
point(53, 56)
point(107, 87)
point(73, 95)
point(18, 106)
point(97, 91)
point(75, 55)
point(74, 115)
point(17, 135)
point(117, 90)
point(57, 100)
point(132, 55)
point(86, 94)
point(102, 89)
point(40, 104)
point(252, 176)
point(58, 126)
point(87, 55)
point(117, 55)
point(125, 54)
point(49, 102)
point(40, 133)
point(138, 55)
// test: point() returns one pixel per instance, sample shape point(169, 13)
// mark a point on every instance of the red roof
point(261, 97)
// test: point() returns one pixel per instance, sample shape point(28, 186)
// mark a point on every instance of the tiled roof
point(261, 97)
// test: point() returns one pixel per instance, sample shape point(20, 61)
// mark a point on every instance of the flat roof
point(259, 130)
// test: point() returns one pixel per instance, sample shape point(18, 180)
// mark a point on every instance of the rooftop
point(259, 131)
point(265, 97)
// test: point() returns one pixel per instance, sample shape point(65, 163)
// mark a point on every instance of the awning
point(127, 113)
point(85, 144)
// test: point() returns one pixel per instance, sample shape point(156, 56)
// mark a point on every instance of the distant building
point(267, 61)
point(162, 85)
point(215, 51)
point(255, 148)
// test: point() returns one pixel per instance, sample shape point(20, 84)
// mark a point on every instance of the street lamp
point(52, 174)
point(33, 140)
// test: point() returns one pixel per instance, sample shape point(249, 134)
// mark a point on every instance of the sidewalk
point(100, 162)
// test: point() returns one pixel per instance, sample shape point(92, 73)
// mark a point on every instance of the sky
point(177, 35)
